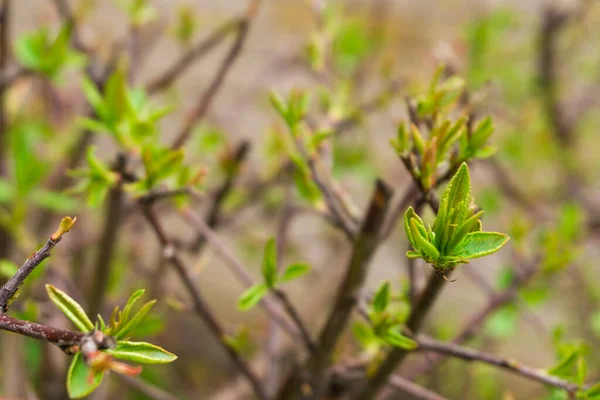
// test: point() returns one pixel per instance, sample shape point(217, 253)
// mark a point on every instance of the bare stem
point(182, 64)
point(199, 112)
point(10, 288)
point(467, 354)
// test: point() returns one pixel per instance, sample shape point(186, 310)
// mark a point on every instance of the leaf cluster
point(456, 235)
point(88, 367)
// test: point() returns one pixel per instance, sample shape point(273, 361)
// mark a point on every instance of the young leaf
point(396, 339)
point(294, 271)
point(135, 321)
point(564, 367)
point(70, 308)
point(79, 383)
point(269, 269)
point(408, 216)
point(479, 244)
point(381, 298)
point(131, 302)
point(422, 243)
point(252, 296)
point(141, 352)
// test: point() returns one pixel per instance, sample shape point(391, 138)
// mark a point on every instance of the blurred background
point(534, 66)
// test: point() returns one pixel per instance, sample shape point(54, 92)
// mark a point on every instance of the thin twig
point(153, 392)
point(451, 349)
point(193, 54)
point(198, 112)
point(108, 243)
point(213, 215)
point(8, 291)
point(201, 308)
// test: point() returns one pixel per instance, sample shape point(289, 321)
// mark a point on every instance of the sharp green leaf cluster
point(88, 367)
point(272, 278)
point(456, 235)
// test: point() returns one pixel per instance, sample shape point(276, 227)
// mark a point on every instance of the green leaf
point(294, 271)
point(70, 308)
point(131, 302)
point(141, 352)
point(479, 244)
point(269, 268)
point(252, 296)
point(422, 243)
point(462, 231)
point(135, 321)
point(381, 298)
point(408, 216)
point(93, 96)
point(564, 368)
point(456, 198)
point(393, 337)
point(79, 383)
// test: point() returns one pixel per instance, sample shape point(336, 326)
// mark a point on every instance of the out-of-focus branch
point(201, 308)
point(243, 276)
point(213, 215)
point(108, 243)
point(467, 354)
point(552, 23)
point(147, 389)
point(197, 113)
point(193, 54)
point(364, 247)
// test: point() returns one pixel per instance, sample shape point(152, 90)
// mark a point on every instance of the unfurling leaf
point(381, 298)
point(65, 225)
point(294, 271)
point(81, 379)
point(141, 352)
point(269, 269)
point(70, 308)
point(393, 337)
point(252, 296)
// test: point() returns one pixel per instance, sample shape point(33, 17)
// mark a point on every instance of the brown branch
point(364, 247)
point(476, 321)
point(199, 112)
point(108, 243)
point(10, 288)
point(60, 337)
point(201, 308)
point(467, 354)
point(213, 216)
point(182, 64)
